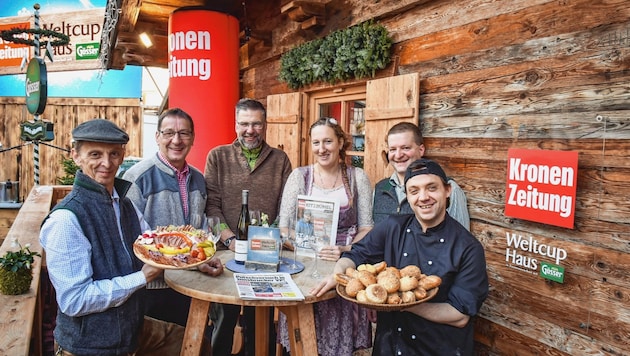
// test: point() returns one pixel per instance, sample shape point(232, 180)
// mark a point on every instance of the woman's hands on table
point(324, 286)
point(331, 253)
point(213, 267)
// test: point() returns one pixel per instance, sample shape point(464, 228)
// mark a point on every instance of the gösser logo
point(87, 51)
point(36, 86)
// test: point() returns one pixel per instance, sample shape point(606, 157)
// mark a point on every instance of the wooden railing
point(21, 315)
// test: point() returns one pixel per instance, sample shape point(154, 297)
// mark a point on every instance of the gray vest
point(115, 330)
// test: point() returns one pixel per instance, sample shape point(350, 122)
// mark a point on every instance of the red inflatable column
point(203, 49)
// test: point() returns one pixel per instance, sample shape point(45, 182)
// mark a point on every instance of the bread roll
point(411, 270)
point(375, 293)
point(353, 287)
point(430, 282)
point(380, 267)
point(367, 267)
point(420, 293)
point(408, 297)
point(408, 283)
point(393, 270)
point(389, 282)
point(393, 298)
point(342, 279)
point(352, 272)
point(362, 296)
point(366, 278)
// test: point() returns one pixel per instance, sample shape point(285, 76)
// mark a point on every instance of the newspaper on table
point(270, 286)
point(316, 217)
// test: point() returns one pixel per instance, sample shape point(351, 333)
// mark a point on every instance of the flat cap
point(424, 166)
point(100, 130)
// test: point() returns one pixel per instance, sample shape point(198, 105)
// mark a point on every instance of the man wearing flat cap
point(88, 241)
point(434, 241)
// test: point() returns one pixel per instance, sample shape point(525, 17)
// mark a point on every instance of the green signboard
point(36, 86)
point(87, 51)
point(552, 272)
point(38, 130)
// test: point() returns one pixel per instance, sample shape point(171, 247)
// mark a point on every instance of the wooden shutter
point(388, 101)
point(283, 124)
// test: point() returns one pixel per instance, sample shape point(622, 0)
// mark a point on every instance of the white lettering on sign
point(516, 259)
point(550, 271)
point(189, 40)
point(532, 198)
point(533, 246)
point(544, 174)
point(189, 67)
point(87, 51)
point(31, 87)
point(12, 53)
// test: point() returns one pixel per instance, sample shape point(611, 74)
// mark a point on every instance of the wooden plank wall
point(495, 75)
point(66, 114)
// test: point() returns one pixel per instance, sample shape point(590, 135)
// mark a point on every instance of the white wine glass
point(317, 244)
point(291, 235)
point(212, 228)
point(284, 237)
point(254, 217)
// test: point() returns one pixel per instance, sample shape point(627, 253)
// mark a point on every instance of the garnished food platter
point(174, 247)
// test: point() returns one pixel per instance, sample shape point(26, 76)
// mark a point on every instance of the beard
point(250, 145)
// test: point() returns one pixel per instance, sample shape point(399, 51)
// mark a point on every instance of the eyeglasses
point(184, 135)
point(245, 125)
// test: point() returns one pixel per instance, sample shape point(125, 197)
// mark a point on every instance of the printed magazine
point(316, 217)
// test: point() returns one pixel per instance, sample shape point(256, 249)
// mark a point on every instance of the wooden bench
point(21, 315)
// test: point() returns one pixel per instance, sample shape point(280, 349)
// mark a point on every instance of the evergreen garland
point(10, 36)
point(356, 52)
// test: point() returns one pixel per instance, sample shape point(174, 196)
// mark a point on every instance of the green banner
point(87, 51)
point(552, 272)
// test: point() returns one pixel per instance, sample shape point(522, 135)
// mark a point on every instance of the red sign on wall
point(541, 186)
point(12, 54)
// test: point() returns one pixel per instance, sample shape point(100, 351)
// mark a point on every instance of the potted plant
point(16, 270)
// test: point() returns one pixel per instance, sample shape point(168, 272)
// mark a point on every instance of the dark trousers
point(224, 318)
point(167, 305)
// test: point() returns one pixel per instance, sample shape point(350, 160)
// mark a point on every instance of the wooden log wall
point(65, 114)
point(495, 75)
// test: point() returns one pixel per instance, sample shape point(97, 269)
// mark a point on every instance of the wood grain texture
point(528, 74)
point(65, 114)
point(21, 320)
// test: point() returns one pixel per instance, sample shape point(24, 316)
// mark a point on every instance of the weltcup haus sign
point(540, 187)
point(84, 28)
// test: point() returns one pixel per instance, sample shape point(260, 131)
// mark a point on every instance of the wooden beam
point(315, 21)
point(299, 11)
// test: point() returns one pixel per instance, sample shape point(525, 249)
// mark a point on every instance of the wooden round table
point(204, 289)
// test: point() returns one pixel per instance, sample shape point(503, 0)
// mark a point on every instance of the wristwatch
point(228, 241)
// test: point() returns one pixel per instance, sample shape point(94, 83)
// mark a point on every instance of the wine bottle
point(240, 249)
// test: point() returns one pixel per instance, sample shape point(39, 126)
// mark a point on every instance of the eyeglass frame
point(258, 125)
point(183, 134)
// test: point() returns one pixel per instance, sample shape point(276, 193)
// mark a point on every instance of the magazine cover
point(272, 286)
point(316, 218)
